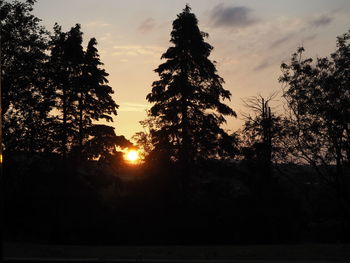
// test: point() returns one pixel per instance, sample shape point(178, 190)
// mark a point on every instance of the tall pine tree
point(26, 101)
point(82, 90)
point(188, 97)
point(66, 61)
point(95, 100)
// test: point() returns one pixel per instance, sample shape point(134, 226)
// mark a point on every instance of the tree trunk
point(81, 122)
point(339, 193)
point(185, 141)
point(31, 134)
point(267, 141)
point(64, 135)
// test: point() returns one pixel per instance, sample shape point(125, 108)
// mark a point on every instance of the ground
point(255, 253)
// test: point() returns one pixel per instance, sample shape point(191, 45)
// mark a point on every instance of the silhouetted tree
point(187, 98)
point(318, 101)
point(103, 142)
point(341, 113)
point(95, 100)
point(66, 63)
point(72, 95)
point(318, 96)
point(81, 88)
point(143, 140)
point(26, 101)
point(263, 133)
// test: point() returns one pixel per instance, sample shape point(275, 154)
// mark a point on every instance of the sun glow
point(132, 156)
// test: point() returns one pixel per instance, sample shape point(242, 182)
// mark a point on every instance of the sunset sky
point(250, 39)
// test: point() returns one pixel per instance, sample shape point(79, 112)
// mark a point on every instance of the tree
point(66, 63)
point(27, 100)
point(83, 95)
point(318, 103)
point(143, 139)
point(50, 101)
point(318, 99)
point(341, 72)
point(103, 142)
point(187, 98)
point(263, 133)
point(95, 100)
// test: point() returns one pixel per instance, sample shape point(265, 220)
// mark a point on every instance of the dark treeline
point(53, 89)
point(283, 177)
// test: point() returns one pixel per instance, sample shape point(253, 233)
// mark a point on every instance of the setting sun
point(132, 156)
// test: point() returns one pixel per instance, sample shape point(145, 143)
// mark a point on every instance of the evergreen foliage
point(187, 97)
point(53, 90)
point(26, 99)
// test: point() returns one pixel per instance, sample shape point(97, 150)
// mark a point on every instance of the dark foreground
point(49, 200)
point(17, 252)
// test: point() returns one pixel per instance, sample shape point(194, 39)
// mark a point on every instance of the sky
point(251, 39)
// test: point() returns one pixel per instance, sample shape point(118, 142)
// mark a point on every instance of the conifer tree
point(188, 97)
point(82, 90)
point(26, 99)
point(66, 60)
point(95, 100)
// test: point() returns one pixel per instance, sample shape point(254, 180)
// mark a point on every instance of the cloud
point(282, 40)
point(97, 24)
point(293, 36)
point(309, 38)
point(106, 36)
point(320, 21)
point(136, 107)
point(294, 39)
point(147, 25)
point(263, 65)
point(136, 50)
point(230, 16)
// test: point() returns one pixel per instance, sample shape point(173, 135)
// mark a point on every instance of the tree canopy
point(188, 97)
point(53, 90)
